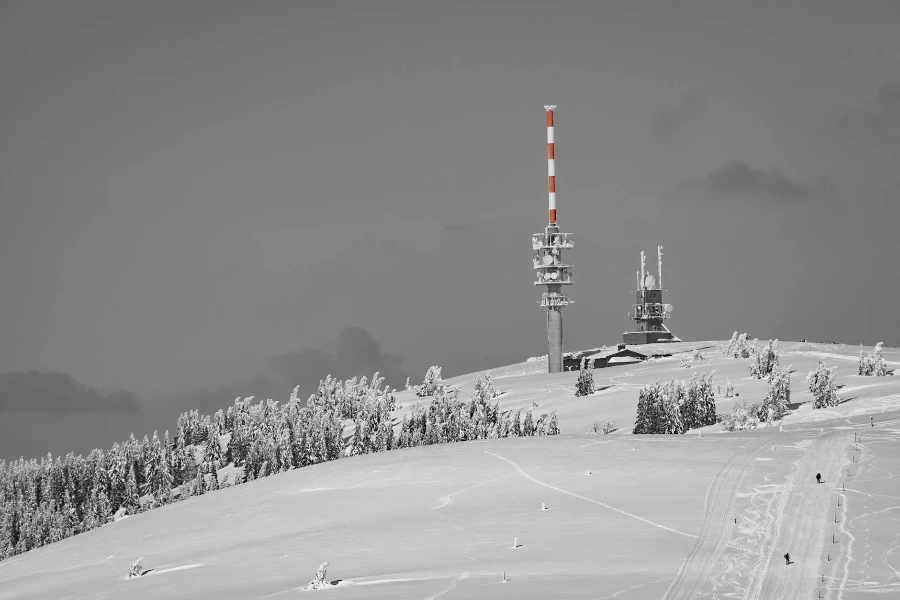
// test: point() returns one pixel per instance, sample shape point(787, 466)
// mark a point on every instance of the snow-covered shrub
point(432, 383)
point(742, 416)
point(729, 389)
point(605, 427)
point(872, 363)
point(684, 362)
point(319, 581)
point(762, 362)
point(697, 356)
point(822, 386)
point(137, 568)
point(585, 384)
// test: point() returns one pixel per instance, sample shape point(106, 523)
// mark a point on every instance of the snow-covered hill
point(627, 516)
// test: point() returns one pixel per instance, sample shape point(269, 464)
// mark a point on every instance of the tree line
point(47, 500)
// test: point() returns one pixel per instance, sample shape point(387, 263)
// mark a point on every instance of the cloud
point(353, 353)
point(667, 122)
point(59, 393)
point(878, 120)
point(737, 178)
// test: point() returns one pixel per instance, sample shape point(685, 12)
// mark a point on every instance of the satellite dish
point(546, 275)
point(650, 281)
point(668, 308)
point(547, 259)
point(554, 276)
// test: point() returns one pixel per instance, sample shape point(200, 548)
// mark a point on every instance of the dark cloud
point(737, 178)
point(59, 393)
point(353, 353)
point(667, 122)
point(878, 120)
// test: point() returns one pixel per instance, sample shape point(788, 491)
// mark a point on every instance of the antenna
point(552, 270)
point(650, 312)
point(643, 263)
point(659, 254)
point(551, 162)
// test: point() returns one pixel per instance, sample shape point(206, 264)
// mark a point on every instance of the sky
point(211, 199)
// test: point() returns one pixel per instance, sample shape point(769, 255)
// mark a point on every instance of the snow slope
point(628, 517)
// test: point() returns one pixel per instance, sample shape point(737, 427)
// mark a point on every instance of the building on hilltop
point(600, 358)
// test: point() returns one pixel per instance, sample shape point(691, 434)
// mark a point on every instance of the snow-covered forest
point(46, 500)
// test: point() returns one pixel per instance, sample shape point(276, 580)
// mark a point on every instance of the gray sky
point(199, 195)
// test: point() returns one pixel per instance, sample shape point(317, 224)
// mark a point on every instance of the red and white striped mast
point(552, 270)
point(551, 162)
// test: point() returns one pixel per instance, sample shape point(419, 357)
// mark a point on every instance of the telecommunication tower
point(649, 311)
point(552, 270)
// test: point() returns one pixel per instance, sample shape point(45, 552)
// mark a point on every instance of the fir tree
point(585, 384)
point(432, 383)
point(517, 424)
point(553, 424)
point(764, 361)
point(528, 427)
point(775, 405)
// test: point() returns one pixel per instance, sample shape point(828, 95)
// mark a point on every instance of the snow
point(631, 516)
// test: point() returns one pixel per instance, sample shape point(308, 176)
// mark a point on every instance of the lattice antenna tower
point(649, 310)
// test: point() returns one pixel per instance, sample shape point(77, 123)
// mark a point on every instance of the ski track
point(633, 587)
point(453, 584)
point(719, 510)
point(552, 487)
point(802, 535)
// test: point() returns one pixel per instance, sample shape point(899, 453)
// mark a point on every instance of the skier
point(787, 558)
point(818, 478)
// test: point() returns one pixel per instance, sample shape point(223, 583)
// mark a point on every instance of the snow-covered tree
point(737, 346)
point(585, 384)
point(775, 405)
point(528, 426)
point(432, 383)
point(872, 363)
point(764, 361)
point(822, 386)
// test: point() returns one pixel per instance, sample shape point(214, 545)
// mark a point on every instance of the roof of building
point(608, 353)
point(614, 352)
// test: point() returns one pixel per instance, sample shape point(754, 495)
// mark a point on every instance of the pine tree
point(132, 498)
point(432, 383)
point(764, 361)
point(517, 424)
point(585, 384)
point(528, 427)
point(775, 405)
point(553, 423)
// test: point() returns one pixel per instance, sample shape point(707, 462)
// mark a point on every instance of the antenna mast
point(552, 270)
